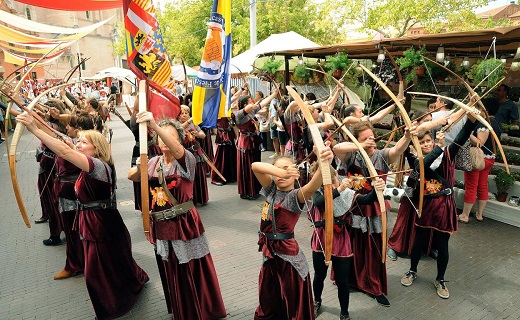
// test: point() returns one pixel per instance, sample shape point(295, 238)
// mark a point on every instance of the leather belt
point(69, 178)
point(100, 204)
point(248, 133)
point(278, 235)
point(49, 154)
point(445, 192)
point(321, 223)
point(173, 212)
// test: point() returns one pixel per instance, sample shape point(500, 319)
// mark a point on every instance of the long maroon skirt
point(75, 261)
point(49, 199)
point(200, 184)
point(282, 293)
point(368, 272)
point(200, 296)
point(403, 235)
point(226, 163)
point(248, 185)
point(207, 145)
point(113, 278)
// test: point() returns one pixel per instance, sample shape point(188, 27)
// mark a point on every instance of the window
point(28, 13)
point(87, 14)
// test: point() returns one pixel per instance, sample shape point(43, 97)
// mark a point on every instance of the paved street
point(483, 273)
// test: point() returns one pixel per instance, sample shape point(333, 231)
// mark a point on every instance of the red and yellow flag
point(147, 57)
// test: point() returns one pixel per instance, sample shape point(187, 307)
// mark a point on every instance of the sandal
point(463, 220)
point(479, 218)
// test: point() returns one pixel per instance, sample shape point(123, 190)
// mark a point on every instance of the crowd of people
point(77, 184)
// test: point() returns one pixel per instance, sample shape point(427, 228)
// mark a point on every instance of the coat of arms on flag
point(147, 57)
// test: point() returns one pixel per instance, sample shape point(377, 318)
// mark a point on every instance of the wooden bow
point(473, 94)
point(12, 159)
point(373, 173)
point(477, 116)
point(12, 156)
point(143, 151)
point(325, 173)
point(400, 96)
point(415, 140)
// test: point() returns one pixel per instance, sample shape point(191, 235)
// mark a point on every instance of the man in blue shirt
point(508, 110)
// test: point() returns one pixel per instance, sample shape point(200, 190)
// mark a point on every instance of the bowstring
point(430, 75)
point(309, 216)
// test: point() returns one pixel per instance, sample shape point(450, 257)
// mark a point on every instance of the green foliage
point(119, 46)
point(393, 18)
point(484, 69)
point(410, 61)
point(302, 73)
point(271, 66)
point(340, 61)
point(503, 181)
point(184, 24)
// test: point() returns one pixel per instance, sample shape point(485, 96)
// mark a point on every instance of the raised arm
point(60, 148)
point(381, 114)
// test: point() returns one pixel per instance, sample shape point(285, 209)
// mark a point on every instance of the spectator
point(476, 181)
point(445, 110)
point(508, 111)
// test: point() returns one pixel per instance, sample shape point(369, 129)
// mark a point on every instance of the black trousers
point(341, 267)
point(440, 242)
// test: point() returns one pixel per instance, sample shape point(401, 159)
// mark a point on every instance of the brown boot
point(63, 274)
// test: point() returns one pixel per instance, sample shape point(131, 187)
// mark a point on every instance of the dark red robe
point(191, 287)
point(113, 278)
point(226, 153)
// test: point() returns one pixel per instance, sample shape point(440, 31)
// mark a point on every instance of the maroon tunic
point(113, 278)
point(226, 154)
point(440, 213)
point(296, 145)
point(284, 283)
point(206, 145)
point(403, 235)
point(48, 199)
point(188, 275)
point(66, 176)
point(248, 152)
point(200, 185)
point(368, 274)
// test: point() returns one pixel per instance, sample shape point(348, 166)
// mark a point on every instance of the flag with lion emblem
point(147, 57)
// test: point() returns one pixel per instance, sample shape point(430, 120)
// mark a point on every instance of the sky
point(494, 4)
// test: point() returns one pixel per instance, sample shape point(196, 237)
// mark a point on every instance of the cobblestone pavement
point(484, 269)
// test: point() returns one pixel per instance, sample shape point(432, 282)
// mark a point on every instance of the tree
point(184, 28)
point(393, 18)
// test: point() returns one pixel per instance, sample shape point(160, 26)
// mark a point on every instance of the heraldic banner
point(212, 87)
point(147, 57)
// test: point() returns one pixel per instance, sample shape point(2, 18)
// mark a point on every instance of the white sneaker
point(273, 156)
point(442, 290)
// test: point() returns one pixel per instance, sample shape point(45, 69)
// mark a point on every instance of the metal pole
point(252, 22)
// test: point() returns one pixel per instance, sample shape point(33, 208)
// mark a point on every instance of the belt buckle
point(449, 191)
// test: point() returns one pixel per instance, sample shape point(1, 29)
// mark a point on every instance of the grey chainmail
point(185, 251)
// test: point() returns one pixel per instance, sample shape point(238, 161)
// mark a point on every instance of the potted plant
point(302, 74)
point(412, 61)
point(484, 69)
point(271, 66)
point(338, 63)
point(503, 181)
